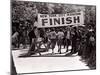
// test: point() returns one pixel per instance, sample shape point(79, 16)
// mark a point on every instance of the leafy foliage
point(27, 11)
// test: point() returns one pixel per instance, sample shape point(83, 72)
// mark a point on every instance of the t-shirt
point(52, 35)
point(36, 33)
point(67, 35)
point(92, 38)
point(15, 35)
point(60, 35)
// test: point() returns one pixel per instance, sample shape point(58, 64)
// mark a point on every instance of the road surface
point(47, 62)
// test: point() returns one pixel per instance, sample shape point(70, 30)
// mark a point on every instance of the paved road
point(47, 62)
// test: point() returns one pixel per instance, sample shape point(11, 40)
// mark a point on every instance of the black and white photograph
point(52, 37)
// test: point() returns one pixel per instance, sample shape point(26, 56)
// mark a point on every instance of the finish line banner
point(56, 20)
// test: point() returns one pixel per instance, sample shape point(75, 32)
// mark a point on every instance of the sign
point(56, 20)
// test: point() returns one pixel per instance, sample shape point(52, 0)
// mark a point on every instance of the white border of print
point(5, 36)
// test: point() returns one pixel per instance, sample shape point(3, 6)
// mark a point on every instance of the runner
point(74, 41)
point(53, 39)
point(67, 38)
point(60, 36)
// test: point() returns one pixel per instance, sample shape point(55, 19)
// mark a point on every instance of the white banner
point(55, 20)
